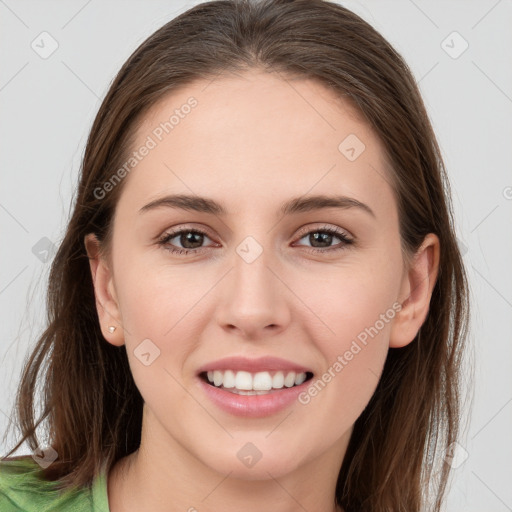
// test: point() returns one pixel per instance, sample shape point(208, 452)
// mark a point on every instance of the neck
point(166, 477)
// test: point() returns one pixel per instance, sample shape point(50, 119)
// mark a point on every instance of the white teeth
point(278, 380)
point(229, 379)
point(300, 378)
point(243, 380)
point(246, 382)
point(217, 377)
point(289, 380)
point(262, 381)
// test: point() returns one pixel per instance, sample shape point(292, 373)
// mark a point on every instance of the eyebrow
point(295, 205)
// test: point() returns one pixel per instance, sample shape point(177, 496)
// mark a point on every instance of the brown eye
point(321, 239)
point(190, 240)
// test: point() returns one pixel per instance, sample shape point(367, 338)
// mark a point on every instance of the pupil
point(323, 237)
point(189, 238)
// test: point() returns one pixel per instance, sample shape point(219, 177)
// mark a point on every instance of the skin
point(253, 141)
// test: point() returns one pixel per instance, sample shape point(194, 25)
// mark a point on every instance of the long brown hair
point(91, 404)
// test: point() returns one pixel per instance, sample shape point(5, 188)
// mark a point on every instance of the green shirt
point(22, 490)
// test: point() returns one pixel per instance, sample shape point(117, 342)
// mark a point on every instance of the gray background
point(48, 105)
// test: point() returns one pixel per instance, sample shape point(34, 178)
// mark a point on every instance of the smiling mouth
point(258, 383)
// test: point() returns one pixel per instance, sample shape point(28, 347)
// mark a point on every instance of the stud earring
point(111, 328)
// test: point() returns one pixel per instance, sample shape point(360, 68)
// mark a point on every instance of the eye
point(190, 239)
point(321, 238)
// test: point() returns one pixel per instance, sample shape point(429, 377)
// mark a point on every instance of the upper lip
point(260, 364)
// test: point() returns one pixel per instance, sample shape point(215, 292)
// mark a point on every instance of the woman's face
point(264, 280)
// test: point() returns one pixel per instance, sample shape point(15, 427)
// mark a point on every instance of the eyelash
point(164, 240)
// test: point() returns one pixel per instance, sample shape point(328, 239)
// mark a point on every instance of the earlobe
point(104, 290)
point(415, 293)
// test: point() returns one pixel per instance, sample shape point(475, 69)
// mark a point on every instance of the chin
point(255, 460)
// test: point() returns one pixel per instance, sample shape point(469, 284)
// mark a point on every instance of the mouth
point(254, 383)
point(253, 387)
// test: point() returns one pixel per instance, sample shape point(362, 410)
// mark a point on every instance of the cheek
point(156, 313)
point(154, 296)
point(158, 306)
point(346, 302)
point(353, 317)
point(354, 359)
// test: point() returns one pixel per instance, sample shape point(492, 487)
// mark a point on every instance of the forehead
point(257, 135)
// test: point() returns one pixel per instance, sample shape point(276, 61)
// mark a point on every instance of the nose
point(253, 299)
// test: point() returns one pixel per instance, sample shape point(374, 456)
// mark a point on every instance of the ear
point(416, 289)
point(104, 291)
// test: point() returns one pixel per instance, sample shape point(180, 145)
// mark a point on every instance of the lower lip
point(253, 406)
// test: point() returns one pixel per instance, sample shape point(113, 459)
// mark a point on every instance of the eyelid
point(343, 235)
point(305, 230)
point(175, 230)
point(170, 233)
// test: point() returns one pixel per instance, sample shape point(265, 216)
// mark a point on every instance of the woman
point(259, 301)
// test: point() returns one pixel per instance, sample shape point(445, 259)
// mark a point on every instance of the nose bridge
point(253, 299)
point(252, 277)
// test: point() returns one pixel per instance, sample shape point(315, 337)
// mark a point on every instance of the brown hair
point(91, 403)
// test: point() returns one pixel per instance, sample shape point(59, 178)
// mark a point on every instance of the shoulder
point(23, 489)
